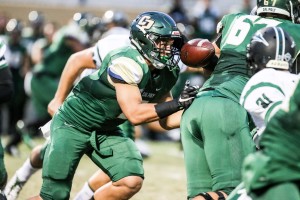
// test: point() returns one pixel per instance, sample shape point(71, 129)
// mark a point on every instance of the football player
point(265, 91)
point(73, 70)
point(6, 88)
point(272, 172)
point(133, 83)
point(215, 129)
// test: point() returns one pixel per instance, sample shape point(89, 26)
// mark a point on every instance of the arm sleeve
point(126, 70)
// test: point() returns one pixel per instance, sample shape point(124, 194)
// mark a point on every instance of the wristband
point(167, 108)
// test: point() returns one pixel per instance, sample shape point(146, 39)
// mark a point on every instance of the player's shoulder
point(232, 16)
point(128, 57)
point(229, 19)
point(292, 29)
point(126, 64)
point(272, 76)
point(264, 75)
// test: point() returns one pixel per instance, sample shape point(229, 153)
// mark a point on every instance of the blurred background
point(61, 11)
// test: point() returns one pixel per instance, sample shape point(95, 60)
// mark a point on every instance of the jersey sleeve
point(126, 70)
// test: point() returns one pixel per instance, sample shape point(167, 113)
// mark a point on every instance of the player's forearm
point(142, 113)
point(172, 121)
point(166, 112)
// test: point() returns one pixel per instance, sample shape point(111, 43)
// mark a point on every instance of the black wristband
point(167, 108)
point(221, 196)
point(205, 195)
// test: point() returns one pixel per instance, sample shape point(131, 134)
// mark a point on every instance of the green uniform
point(87, 122)
point(218, 139)
point(264, 172)
point(126, 127)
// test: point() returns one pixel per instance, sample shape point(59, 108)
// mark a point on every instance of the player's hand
point(53, 106)
point(187, 95)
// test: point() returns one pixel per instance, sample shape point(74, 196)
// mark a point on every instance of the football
point(197, 52)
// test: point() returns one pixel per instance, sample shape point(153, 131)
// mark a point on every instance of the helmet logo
point(286, 57)
point(145, 23)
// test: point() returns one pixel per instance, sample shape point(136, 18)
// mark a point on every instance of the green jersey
point(230, 74)
point(92, 104)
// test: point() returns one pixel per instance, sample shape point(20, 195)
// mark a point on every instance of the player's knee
point(133, 184)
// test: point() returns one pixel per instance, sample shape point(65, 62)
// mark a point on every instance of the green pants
point(216, 139)
point(114, 154)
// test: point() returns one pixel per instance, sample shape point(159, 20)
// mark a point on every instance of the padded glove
point(187, 95)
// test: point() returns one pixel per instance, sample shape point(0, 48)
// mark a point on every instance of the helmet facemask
point(165, 52)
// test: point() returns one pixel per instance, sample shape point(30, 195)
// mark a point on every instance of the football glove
point(187, 95)
point(183, 102)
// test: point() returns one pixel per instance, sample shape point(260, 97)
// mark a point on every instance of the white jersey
point(264, 93)
point(116, 31)
point(103, 47)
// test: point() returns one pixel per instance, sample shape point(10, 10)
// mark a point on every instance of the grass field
point(164, 173)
